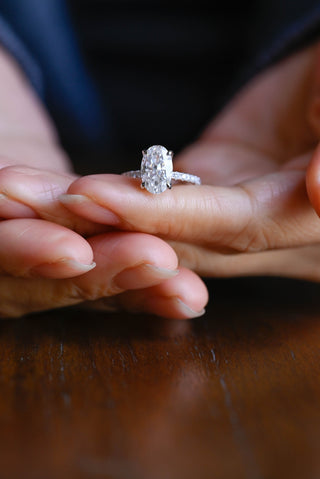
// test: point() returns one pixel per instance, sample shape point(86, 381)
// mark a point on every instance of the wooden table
point(235, 394)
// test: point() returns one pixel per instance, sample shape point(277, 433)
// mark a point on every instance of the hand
point(253, 216)
point(133, 271)
point(44, 263)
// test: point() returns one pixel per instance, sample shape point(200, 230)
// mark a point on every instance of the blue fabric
point(18, 50)
point(46, 29)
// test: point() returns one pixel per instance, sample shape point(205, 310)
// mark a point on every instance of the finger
point(27, 192)
point(246, 140)
point(224, 163)
point(181, 297)
point(282, 130)
point(127, 261)
point(269, 212)
point(20, 296)
point(300, 263)
point(31, 247)
point(124, 262)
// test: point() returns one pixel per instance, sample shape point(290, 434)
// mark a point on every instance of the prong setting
point(156, 171)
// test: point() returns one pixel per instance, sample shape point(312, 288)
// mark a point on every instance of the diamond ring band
point(156, 171)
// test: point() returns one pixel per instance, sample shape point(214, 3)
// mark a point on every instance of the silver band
point(156, 171)
point(175, 175)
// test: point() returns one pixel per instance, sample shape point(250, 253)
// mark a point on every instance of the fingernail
point(186, 310)
point(10, 208)
point(142, 276)
point(164, 273)
point(73, 199)
point(65, 268)
point(71, 263)
point(101, 214)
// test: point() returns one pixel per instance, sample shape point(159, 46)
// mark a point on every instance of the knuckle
point(257, 242)
point(85, 291)
point(189, 255)
point(253, 236)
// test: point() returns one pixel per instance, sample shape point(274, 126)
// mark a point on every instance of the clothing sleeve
point(11, 42)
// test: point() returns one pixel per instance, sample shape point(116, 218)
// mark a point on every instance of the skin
point(45, 260)
point(256, 214)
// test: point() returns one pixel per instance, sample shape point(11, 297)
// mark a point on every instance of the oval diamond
point(156, 169)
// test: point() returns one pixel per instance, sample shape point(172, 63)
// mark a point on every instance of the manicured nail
point(65, 268)
point(187, 311)
point(101, 214)
point(164, 273)
point(142, 276)
point(73, 199)
point(10, 208)
point(71, 263)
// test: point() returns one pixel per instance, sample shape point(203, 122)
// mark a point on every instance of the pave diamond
point(156, 169)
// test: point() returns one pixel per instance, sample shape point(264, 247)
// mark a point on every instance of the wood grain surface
point(235, 394)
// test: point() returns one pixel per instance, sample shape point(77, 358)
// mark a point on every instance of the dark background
point(165, 68)
point(121, 75)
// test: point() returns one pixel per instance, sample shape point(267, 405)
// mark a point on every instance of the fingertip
point(33, 246)
point(188, 287)
point(187, 311)
point(132, 249)
point(142, 276)
point(65, 268)
point(84, 206)
point(64, 246)
point(182, 297)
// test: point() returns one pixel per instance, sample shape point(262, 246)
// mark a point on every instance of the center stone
point(156, 168)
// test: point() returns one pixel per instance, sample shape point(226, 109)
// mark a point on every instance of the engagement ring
point(156, 171)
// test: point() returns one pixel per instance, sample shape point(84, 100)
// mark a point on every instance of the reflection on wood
point(232, 395)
